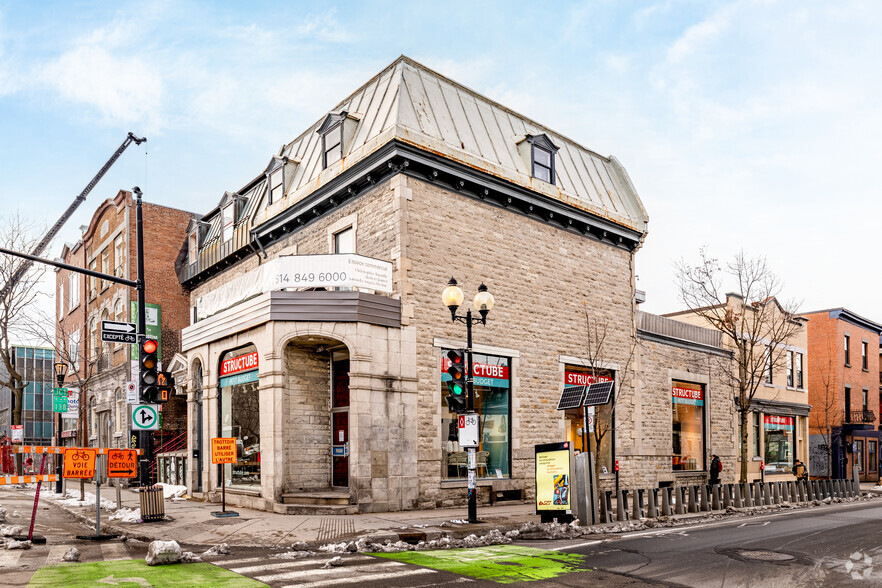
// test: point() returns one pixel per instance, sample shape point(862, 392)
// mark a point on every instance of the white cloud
point(124, 89)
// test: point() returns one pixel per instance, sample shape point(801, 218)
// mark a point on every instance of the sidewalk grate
point(332, 528)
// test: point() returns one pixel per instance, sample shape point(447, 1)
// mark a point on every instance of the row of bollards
point(706, 498)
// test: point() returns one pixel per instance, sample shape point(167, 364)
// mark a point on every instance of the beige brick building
point(318, 336)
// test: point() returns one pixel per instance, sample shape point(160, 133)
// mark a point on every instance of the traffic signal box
point(150, 391)
point(456, 392)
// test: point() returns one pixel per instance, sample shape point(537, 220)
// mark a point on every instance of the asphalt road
point(840, 545)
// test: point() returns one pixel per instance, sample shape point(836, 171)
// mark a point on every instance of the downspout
point(256, 239)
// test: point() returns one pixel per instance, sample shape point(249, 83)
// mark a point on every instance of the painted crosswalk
point(311, 572)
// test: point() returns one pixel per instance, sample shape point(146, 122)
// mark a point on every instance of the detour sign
point(122, 463)
point(223, 450)
point(79, 462)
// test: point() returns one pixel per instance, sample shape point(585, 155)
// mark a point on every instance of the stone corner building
point(318, 336)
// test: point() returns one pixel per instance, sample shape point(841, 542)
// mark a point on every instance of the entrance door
point(859, 458)
point(340, 424)
point(197, 450)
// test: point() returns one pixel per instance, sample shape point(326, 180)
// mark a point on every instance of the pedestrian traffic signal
point(165, 385)
point(149, 370)
point(456, 393)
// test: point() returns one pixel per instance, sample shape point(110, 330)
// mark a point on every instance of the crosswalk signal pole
point(144, 437)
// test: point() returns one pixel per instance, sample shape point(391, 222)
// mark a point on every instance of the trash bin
point(152, 503)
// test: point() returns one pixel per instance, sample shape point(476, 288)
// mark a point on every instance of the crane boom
point(47, 238)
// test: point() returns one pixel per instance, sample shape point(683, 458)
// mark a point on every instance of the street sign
point(17, 433)
point(122, 463)
point(73, 405)
point(145, 417)
point(223, 450)
point(79, 462)
point(118, 332)
point(131, 393)
point(468, 430)
point(59, 400)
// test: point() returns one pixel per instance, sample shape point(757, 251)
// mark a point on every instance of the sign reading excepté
point(145, 417)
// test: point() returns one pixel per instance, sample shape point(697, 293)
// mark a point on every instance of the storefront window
point(871, 456)
point(778, 438)
point(599, 431)
point(493, 405)
point(240, 415)
point(687, 402)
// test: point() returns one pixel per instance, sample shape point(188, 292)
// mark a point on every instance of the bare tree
point(597, 352)
point(751, 317)
point(826, 413)
point(18, 305)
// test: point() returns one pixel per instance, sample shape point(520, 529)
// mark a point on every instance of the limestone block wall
point(307, 420)
point(544, 279)
point(644, 442)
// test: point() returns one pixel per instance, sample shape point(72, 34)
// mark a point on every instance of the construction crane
point(47, 238)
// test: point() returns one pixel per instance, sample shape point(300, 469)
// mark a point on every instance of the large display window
point(687, 403)
point(492, 386)
point(240, 415)
point(778, 437)
point(599, 433)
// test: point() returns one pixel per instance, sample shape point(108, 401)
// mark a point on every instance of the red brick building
point(109, 246)
point(843, 375)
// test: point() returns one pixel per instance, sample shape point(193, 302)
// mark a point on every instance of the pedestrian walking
point(800, 470)
point(716, 466)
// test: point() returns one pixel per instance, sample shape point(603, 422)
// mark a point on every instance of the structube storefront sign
point(778, 423)
point(683, 393)
point(345, 270)
point(553, 463)
point(239, 370)
point(583, 379)
point(485, 374)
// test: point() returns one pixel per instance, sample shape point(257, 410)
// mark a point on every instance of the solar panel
point(571, 397)
point(598, 393)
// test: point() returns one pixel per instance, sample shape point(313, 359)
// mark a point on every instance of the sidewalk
point(190, 522)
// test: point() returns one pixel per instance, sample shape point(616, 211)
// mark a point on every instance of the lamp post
point(452, 297)
point(60, 373)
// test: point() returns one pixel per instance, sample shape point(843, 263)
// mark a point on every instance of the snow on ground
point(72, 498)
point(172, 491)
point(127, 515)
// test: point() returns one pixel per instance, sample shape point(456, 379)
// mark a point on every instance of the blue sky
point(749, 125)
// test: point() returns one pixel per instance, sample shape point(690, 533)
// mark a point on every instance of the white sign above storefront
point(297, 272)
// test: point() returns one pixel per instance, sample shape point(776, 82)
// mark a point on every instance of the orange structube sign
point(122, 463)
point(223, 450)
point(79, 462)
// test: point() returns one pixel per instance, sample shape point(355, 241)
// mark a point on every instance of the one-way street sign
point(118, 332)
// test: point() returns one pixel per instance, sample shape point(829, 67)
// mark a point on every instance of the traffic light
point(166, 385)
point(456, 392)
point(149, 370)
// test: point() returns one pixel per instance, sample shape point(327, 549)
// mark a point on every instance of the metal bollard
point(739, 502)
point(705, 502)
point(681, 500)
point(788, 497)
point(622, 505)
point(666, 501)
point(693, 499)
point(767, 489)
point(637, 505)
point(727, 495)
point(776, 490)
point(830, 489)
point(748, 494)
point(653, 503)
point(758, 493)
point(606, 505)
point(810, 490)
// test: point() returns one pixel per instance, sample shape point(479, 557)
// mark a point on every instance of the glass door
point(340, 424)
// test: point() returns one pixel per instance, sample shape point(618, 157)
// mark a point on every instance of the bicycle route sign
point(122, 463)
point(145, 417)
point(79, 462)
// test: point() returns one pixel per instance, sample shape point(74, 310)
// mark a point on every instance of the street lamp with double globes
point(60, 373)
point(452, 297)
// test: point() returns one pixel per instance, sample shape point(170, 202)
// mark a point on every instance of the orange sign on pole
point(79, 462)
point(223, 450)
point(122, 463)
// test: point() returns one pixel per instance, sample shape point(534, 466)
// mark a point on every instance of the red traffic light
point(150, 346)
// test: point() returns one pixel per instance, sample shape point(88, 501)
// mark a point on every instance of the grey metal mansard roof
point(410, 105)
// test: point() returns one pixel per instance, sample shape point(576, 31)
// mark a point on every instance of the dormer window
point(332, 145)
point(228, 220)
point(542, 152)
point(193, 246)
point(277, 185)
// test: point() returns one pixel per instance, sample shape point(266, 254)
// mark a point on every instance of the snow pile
point(493, 537)
point(127, 515)
point(2, 515)
point(73, 554)
point(292, 554)
point(172, 491)
point(190, 557)
point(163, 552)
point(11, 530)
point(222, 549)
point(333, 562)
point(72, 498)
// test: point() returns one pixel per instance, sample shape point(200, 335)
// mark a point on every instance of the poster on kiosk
point(553, 478)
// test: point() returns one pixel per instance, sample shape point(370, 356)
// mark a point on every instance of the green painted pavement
point(136, 574)
point(505, 564)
